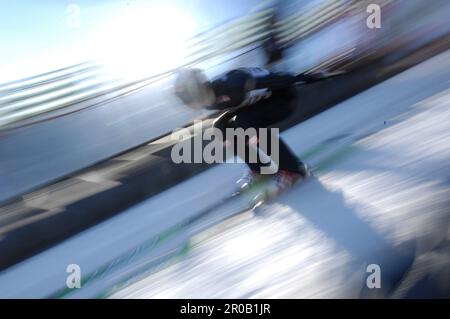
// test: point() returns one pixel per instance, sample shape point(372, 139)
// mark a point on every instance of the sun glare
point(143, 41)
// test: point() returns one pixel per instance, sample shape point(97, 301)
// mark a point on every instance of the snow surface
point(382, 185)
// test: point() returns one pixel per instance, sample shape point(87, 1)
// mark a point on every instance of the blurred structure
point(89, 83)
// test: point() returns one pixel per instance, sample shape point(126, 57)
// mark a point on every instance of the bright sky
point(38, 36)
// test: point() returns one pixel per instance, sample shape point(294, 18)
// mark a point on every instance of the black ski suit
point(257, 98)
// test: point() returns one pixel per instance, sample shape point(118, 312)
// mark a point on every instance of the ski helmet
point(192, 87)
